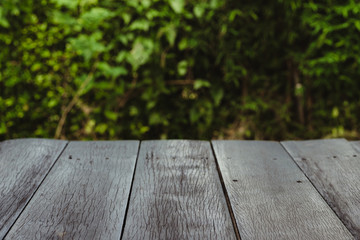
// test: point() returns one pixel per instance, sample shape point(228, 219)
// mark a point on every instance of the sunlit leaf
point(182, 67)
point(111, 115)
point(87, 46)
point(141, 52)
point(141, 24)
point(199, 10)
point(199, 83)
point(66, 3)
point(177, 5)
point(171, 34)
point(101, 128)
point(3, 21)
point(155, 118)
point(93, 18)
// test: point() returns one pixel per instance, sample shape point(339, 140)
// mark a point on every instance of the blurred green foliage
point(143, 69)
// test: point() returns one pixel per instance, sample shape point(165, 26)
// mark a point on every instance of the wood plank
point(270, 196)
point(177, 194)
point(84, 196)
point(333, 166)
point(356, 145)
point(24, 164)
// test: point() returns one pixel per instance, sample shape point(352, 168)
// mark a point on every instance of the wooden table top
point(179, 189)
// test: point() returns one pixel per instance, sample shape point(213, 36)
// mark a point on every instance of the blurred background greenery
point(199, 69)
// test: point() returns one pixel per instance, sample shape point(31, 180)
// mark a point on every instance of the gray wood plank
point(84, 196)
point(177, 194)
point(356, 145)
point(24, 164)
point(270, 197)
point(333, 166)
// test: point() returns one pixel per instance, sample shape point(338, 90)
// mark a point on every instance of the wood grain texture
point(270, 197)
point(24, 164)
point(84, 196)
point(333, 166)
point(177, 194)
point(356, 145)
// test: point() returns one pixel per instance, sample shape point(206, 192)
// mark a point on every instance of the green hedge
point(143, 69)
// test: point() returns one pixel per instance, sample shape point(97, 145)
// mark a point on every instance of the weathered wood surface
point(177, 194)
point(24, 164)
point(356, 145)
point(333, 166)
point(270, 196)
point(84, 196)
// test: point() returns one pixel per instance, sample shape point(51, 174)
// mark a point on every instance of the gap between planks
point(177, 193)
point(43, 146)
point(332, 167)
point(326, 200)
point(61, 152)
point(233, 219)
point(263, 184)
point(71, 197)
point(131, 186)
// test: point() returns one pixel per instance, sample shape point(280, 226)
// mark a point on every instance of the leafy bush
point(145, 69)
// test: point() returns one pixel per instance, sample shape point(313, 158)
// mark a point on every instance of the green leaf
point(144, 129)
point(357, 25)
point(110, 71)
point(194, 115)
point(216, 3)
point(199, 10)
point(199, 83)
point(141, 24)
point(36, 67)
point(183, 44)
point(93, 18)
point(146, 3)
point(87, 46)
point(121, 56)
point(217, 94)
point(254, 15)
point(182, 67)
point(177, 5)
point(61, 18)
point(89, 126)
point(141, 52)
point(3, 129)
point(71, 4)
point(101, 128)
point(85, 3)
point(103, 85)
point(234, 13)
point(150, 105)
point(133, 111)
point(171, 34)
point(126, 17)
point(79, 81)
point(155, 118)
point(119, 71)
point(3, 21)
point(52, 103)
point(111, 115)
